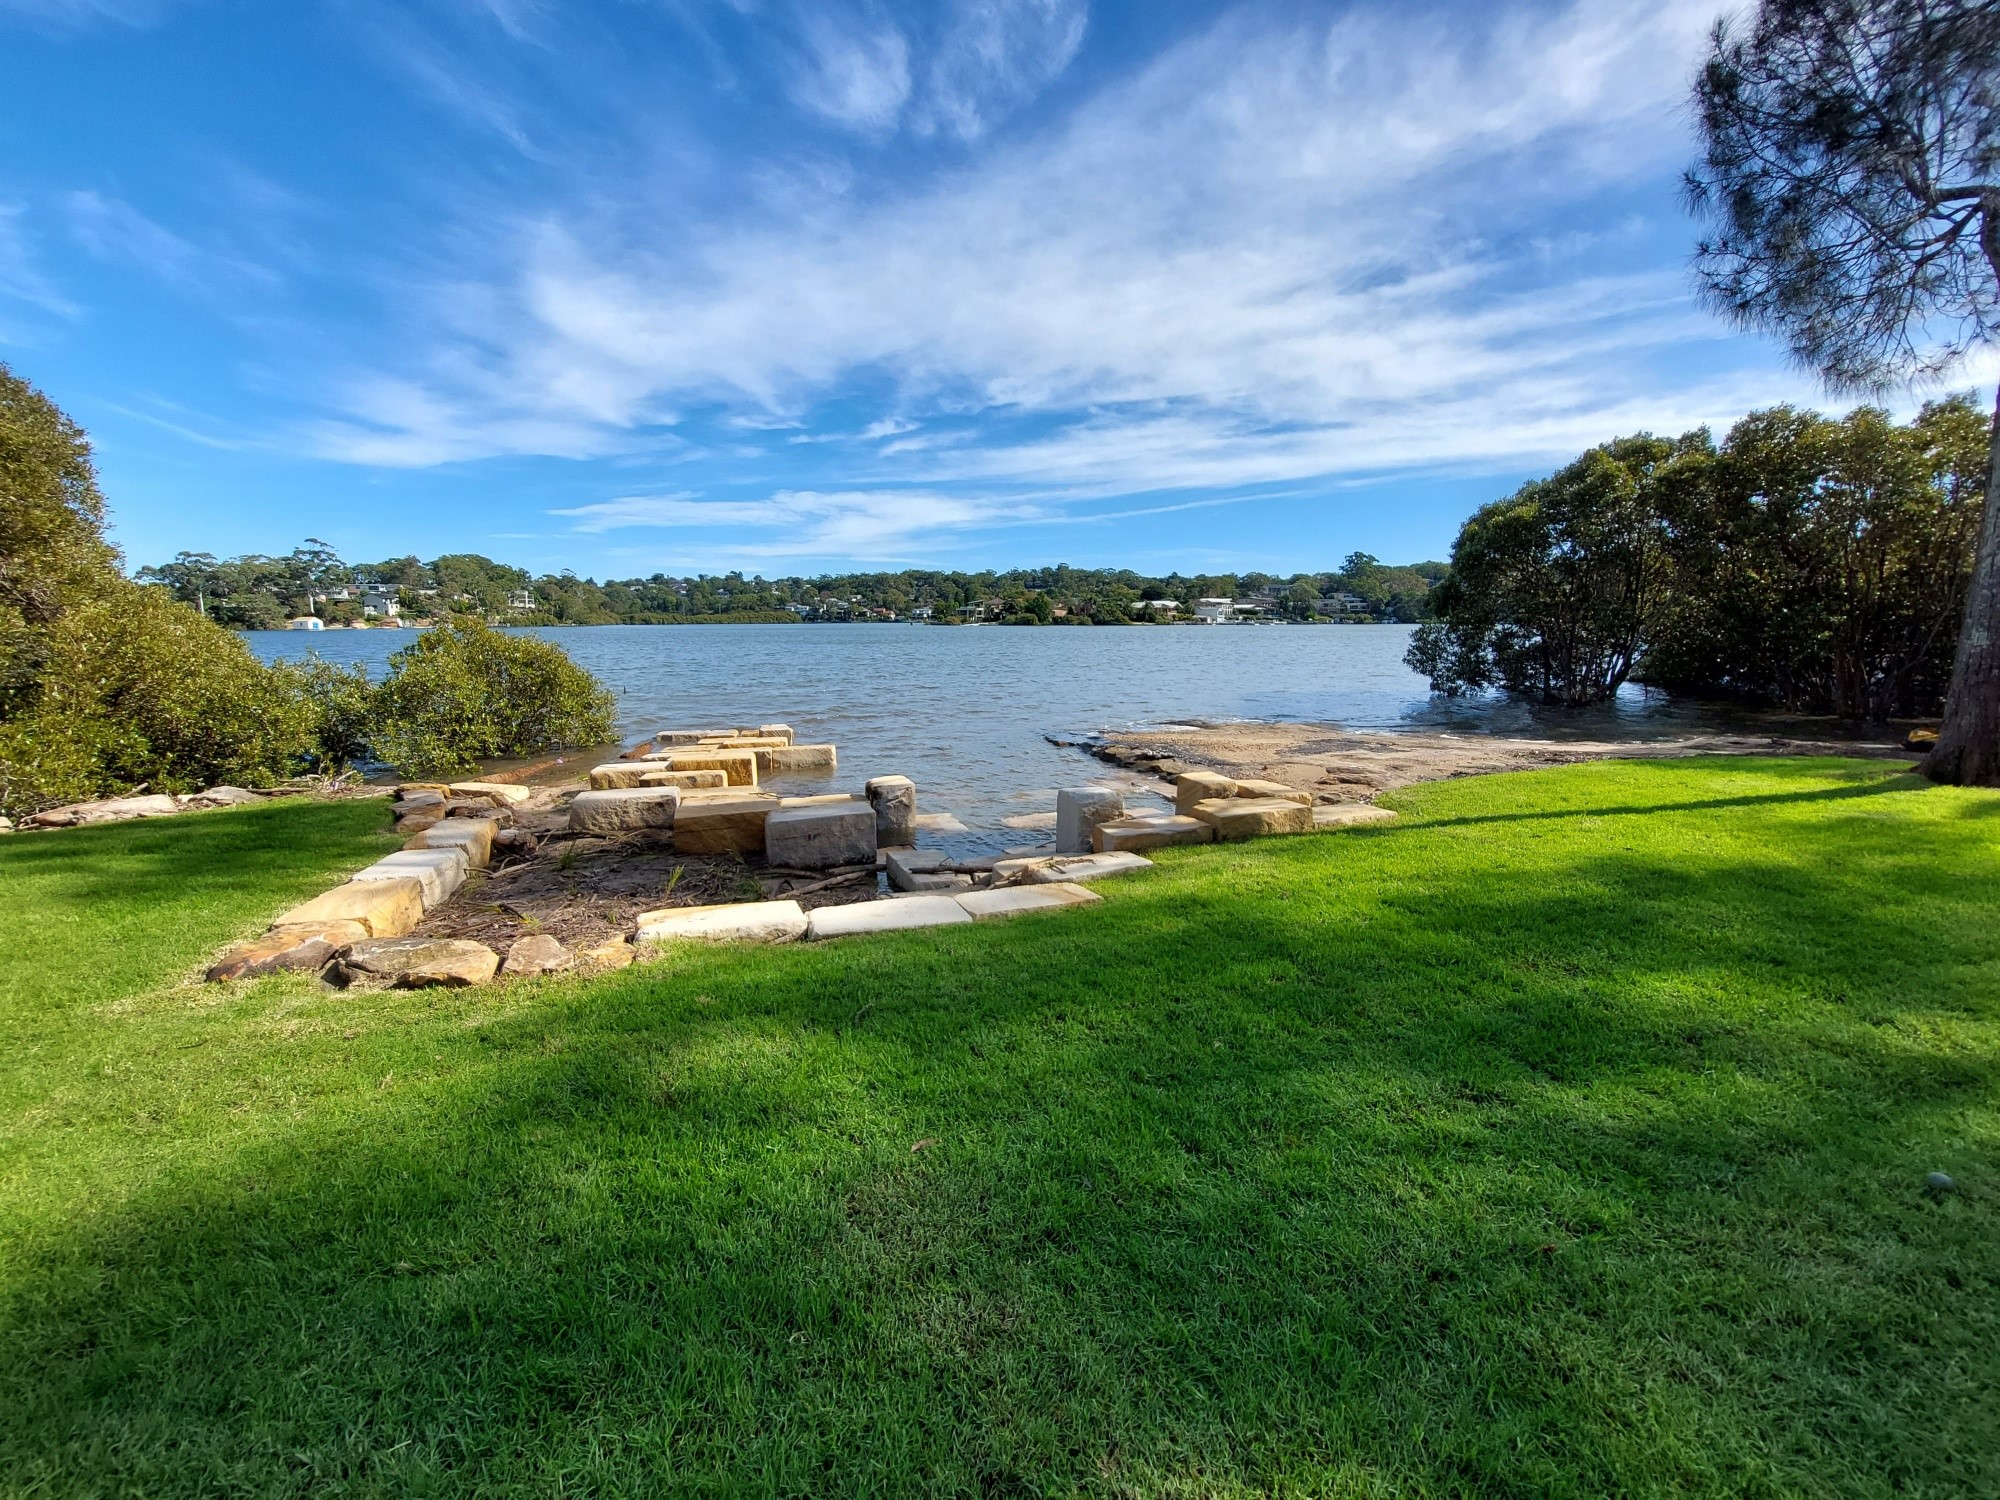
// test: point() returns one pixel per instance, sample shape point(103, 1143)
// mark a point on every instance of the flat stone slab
point(1135, 835)
point(223, 796)
point(740, 766)
point(110, 810)
point(1012, 900)
point(418, 963)
point(287, 950)
point(777, 732)
point(939, 822)
point(828, 799)
point(687, 781)
point(624, 809)
point(908, 866)
point(622, 773)
point(821, 837)
point(1351, 815)
point(537, 953)
point(504, 794)
point(781, 758)
point(1043, 869)
point(1191, 787)
point(440, 872)
point(1236, 819)
point(473, 835)
point(742, 922)
point(385, 908)
point(1079, 810)
point(722, 823)
point(1277, 789)
point(885, 916)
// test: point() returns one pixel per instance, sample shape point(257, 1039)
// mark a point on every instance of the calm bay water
point(964, 711)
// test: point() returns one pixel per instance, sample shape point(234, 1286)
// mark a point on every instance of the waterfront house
point(1214, 611)
point(380, 604)
point(307, 622)
point(520, 598)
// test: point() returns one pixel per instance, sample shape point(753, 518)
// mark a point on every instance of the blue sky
point(676, 285)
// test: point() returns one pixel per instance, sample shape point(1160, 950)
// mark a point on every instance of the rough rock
point(1277, 789)
point(386, 908)
point(1191, 787)
point(885, 916)
point(1351, 815)
point(436, 789)
point(500, 793)
point(610, 953)
point(538, 953)
point(476, 807)
point(687, 781)
point(287, 949)
point(740, 766)
point(739, 922)
point(894, 799)
point(1082, 867)
point(411, 963)
point(408, 802)
point(1140, 834)
point(110, 810)
point(473, 836)
point(1238, 818)
point(625, 809)
point(715, 823)
point(1078, 812)
point(222, 796)
point(419, 822)
point(819, 838)
point(6, 825)
point(440, 872)
point(1009, 901)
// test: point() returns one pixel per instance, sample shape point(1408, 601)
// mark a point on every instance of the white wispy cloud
point(21, 276)
point(76, 13)
point(1283, 251)
point(878, 525)
point(855, 69)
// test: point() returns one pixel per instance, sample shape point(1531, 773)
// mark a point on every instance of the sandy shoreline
point(1343, 765)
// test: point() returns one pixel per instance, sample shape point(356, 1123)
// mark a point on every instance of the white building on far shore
point(307, 622)
point(1214, 611)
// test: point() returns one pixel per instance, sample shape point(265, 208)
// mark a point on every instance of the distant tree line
point(1809, 563)
point(256, 592)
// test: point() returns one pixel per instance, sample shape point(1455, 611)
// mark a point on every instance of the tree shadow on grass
point(1567, 1180)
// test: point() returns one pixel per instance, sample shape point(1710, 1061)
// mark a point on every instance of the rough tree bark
point(1967, 752)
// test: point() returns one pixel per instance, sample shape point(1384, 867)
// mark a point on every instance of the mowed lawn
point(1567, 1138)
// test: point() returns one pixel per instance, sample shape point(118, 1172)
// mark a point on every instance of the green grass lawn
point(1567, 1138)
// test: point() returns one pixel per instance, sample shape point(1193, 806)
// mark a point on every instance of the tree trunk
point(1967, 752)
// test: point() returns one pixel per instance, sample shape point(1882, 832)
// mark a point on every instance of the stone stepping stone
point(472, 835)
point(741, 922)
point(1083, 867)
point(1078, 812)
point(687, 781)
point(740, 766)
point(1236, 819)
point(718, 822)
point(1012, 900)
point(821, 836)
point(1276, 789)
point(501, 793)
point(780, 758)
point(438, 872)
point(885, 916)
point(385, 908)
point(1192, 787)
point(1134, 835)
point(894, 799)
point(624, 809)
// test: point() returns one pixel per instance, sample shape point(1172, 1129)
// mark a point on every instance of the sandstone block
point(624, 809)
point(669, 737)
point(475, 836)
point(386, 908)
point(1351, 815)
point(910, 868)
point(610, 953)
point(110, 810)
point(776, 732)
point(1277, 789)
point(418, 963)
point(818, 838)
point(619, 774)
point(440, 872)
point(500, 793)
point(895, 801)
point(1238, 818)
point(745, 742)
point(1082, 867)
point(418, 822)
point(687, 781)
point(780, 758)
point(1191, 787)
point(223, 796)
point(1151, 833)
point(1012, 900)
point(410, 789)
point(408, 801)
point(712, 823)
point(1079, 810)
point(885, 916)
point(829, 799)
point(740, 766)
point(538, 953)
point(742, 922)
point(282, 949)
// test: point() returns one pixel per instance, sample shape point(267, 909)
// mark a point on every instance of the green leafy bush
point(463, 692)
